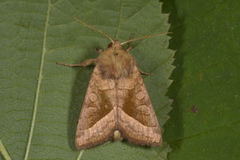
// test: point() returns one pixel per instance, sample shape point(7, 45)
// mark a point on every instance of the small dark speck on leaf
point(194, 109)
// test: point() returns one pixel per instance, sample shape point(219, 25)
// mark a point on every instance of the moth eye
point(110, 45)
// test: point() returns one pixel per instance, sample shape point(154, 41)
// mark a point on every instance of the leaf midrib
point(39, 81)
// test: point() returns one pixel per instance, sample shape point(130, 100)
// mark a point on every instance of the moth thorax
point(117, 136)
point(115, 65)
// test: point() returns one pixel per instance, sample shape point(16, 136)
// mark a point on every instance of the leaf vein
point(80, 155)
point(35, 107)
point(4, 151)
point(119, 20)
point(137, 12)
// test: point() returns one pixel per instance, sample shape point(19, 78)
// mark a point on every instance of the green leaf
point(41, 101)
point(207, 75)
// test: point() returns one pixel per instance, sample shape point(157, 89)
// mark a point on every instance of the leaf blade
point(60, 95)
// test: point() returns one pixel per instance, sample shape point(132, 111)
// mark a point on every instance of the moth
point(116, 104)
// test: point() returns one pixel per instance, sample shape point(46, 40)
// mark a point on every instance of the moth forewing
point(116, 103)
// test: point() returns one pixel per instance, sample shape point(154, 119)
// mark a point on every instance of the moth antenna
point(93, 28)
point(145, 37)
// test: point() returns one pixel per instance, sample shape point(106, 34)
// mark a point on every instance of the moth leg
point(99, 50)
point(144, 73)
point(82, 64)
point(88, 62)
point(129, 48)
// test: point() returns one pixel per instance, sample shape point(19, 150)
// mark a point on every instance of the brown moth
point(117, 104)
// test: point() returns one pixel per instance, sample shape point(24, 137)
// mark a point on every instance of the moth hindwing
point(116, 104)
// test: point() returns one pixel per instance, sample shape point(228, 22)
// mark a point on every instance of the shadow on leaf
point(174, 127)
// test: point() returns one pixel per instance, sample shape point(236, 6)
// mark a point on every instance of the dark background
point(204, 123)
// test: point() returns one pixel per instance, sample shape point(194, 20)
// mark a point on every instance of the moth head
point(115, 48)
point(115, 45)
